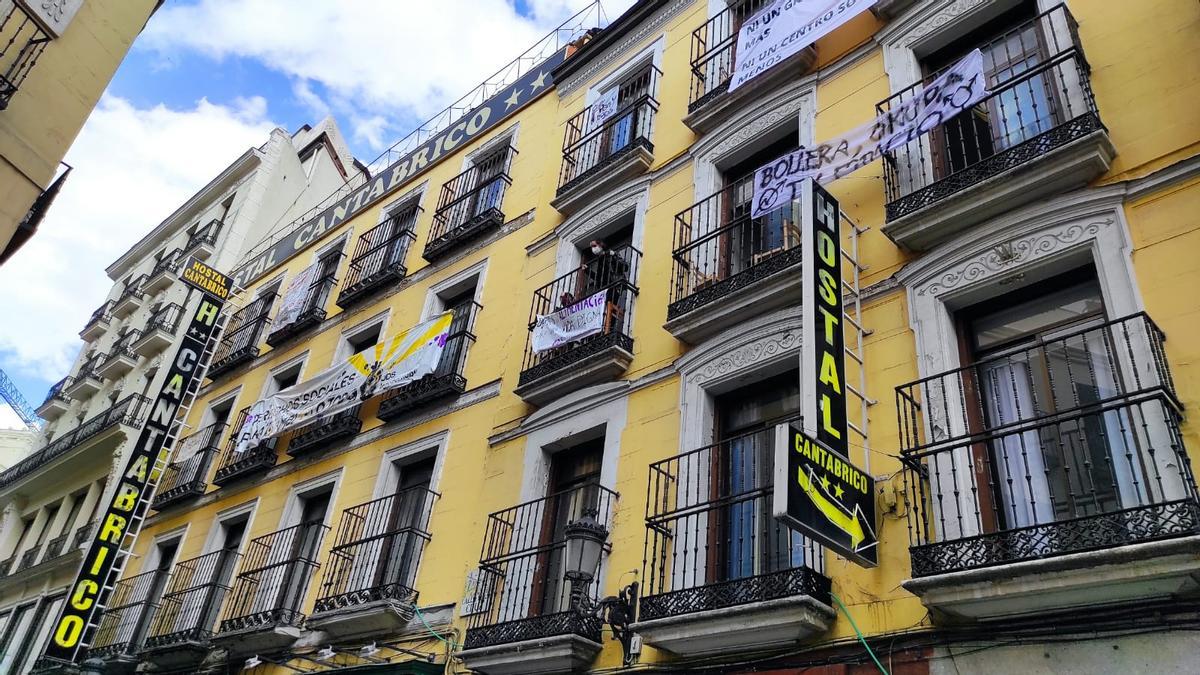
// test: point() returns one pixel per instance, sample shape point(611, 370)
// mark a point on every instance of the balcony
point(729, 267)
point(601, 357)
point(125, 620)
point(236, 465)
point(23, 42)
point(181, 632)
point(160, 331)
point(717, 557)
point(121, 358)
point(370, 584)
point(131, 298)
point(714, 51)
point(163, 274)
point(242, 335)
point(28, 559)
point(129, 411)
point(187, 478)
point(526, 624)
point(1053, 477)
point(444, 382)
point(203, 242)
point(599, 157)
point(1038, 134)
point(470, 205)
point(311, 309)
point(379, 258)
point(325, 431)
point(264, 606)
point(88, 380)
point(57, 402)
point(97, 323)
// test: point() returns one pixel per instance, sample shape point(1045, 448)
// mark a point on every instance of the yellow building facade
point(58, 57)
point(1011, 281)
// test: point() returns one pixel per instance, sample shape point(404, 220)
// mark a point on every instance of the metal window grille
point(21, 43)
point(589, 148)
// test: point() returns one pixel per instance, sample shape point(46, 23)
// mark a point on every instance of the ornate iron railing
point(470, 204)
point(126, 619)
point(377, 551)
point(100, 315)
point(6, 565)
point(58, 392)
point(21, 43)
point(165, 318)
point(188, 477)
point(719, 249)
point(132, 289)
point(206, 235)
point(591, 146)
point(446, 380)
point(613, 274)
point(58, 546)
point(522, 592)
point(274, 578)
point(324, 431)
point(711, 539)
point(168, 263)
point(83, 533)
point(1067, 445)
point(28, 559)
point(242, 334)
point(714, 46)
point(129, 411)
point(312, 305)
point(379, 257)
point(1040, 100)
point(234, 464)
point(192, 600)
point(123, 347)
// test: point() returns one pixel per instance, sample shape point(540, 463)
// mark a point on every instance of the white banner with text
point(568, 324)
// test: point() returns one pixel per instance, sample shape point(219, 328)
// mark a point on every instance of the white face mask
point(596, 250)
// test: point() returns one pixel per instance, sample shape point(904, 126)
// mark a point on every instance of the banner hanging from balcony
point(295, 295)
point(959, 88)
point(573, 322)
point(604, 108)
point(391, 364)
point(784, 28)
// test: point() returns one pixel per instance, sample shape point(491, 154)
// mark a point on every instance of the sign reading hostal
point(823, 495)
point(204, 278)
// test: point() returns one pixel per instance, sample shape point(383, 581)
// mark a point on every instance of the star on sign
point(825, 482)
point(838, 491)
point(512, 98)
point(538, 82)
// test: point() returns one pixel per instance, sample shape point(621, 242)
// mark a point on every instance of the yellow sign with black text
point(206, 279)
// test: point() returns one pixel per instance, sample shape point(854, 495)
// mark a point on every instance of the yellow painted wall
point(1139, 55)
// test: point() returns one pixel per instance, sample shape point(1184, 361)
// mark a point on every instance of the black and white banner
point(568, 324)
point(962, 86)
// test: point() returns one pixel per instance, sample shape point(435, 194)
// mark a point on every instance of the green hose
point(858, 632)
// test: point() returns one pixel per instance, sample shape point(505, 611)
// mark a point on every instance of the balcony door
point(487, 182)
point(745, 242)
point(574, 473)
point(296, 557)
point(461, 304)
point(1036, 372)
point(222, 572)
point(745, 539)
point(407, 523)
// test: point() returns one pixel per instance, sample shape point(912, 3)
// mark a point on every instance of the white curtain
point(1024, 492)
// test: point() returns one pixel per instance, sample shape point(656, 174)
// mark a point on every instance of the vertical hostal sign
point(126, 507)
point(817, 490)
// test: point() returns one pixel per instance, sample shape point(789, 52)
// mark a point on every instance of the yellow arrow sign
point(849, 523)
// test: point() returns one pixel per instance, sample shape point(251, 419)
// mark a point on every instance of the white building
point(49, 500)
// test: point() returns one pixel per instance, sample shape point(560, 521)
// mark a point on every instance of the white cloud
point(399, 59)
point(133, 167)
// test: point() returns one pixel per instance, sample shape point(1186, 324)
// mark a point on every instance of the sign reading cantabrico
point(204, 278)
point(130, 498)
point(481, 119)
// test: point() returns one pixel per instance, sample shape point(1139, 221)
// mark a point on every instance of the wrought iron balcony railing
point(522, 591)
point(21, 43)
point(165, 318)
point(312, 307)
point(1041, 99)
point(123, 347)
point(129, 411)
point(275, 571)
point(1068, 445)
point(82, 534)
point(58, 392)
point(132, 289)
point(205, 236)
point(6, 565)
point(125, 621)
point(28, 559)
point(235, 465)
point(192, 600)
point(714, 46)
point(614, 274)
point(58, 546)
point(719, 249)
point(100, 318)
point(168, 263)
point(446, 380)
point(324, 431)
point(590, 148)
point(377, 551)
point(379, 257)
point(240, 342)
point(470, 204)
point(711, 539)
point(188, 478)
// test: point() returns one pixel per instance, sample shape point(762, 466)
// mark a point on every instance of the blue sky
point(206, 80)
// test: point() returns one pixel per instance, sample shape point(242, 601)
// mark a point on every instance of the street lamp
point(585, 544)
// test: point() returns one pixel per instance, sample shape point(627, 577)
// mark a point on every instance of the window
point(43, 624)
point(219, 412)
point(314, 507)
point(284, 377)
point(741, 247)
point(16, 637)
point(408, 518)
point(77, 499)
point(360, 338)
point(572, 490)
point(457, 295)
point(47, 524)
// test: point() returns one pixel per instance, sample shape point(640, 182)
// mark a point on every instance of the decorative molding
point(602, 61)
point(601, 211)
point(748, 356)
point(930, 18)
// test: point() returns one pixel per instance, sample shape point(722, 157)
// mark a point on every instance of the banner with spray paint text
point(391, 364)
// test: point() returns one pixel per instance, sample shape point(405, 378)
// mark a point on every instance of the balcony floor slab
point(769, 624)
point(603, 366)
point(559, 654)
point(779, 287)
point(604, 177)
point(380, 617)
point(259, 639)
